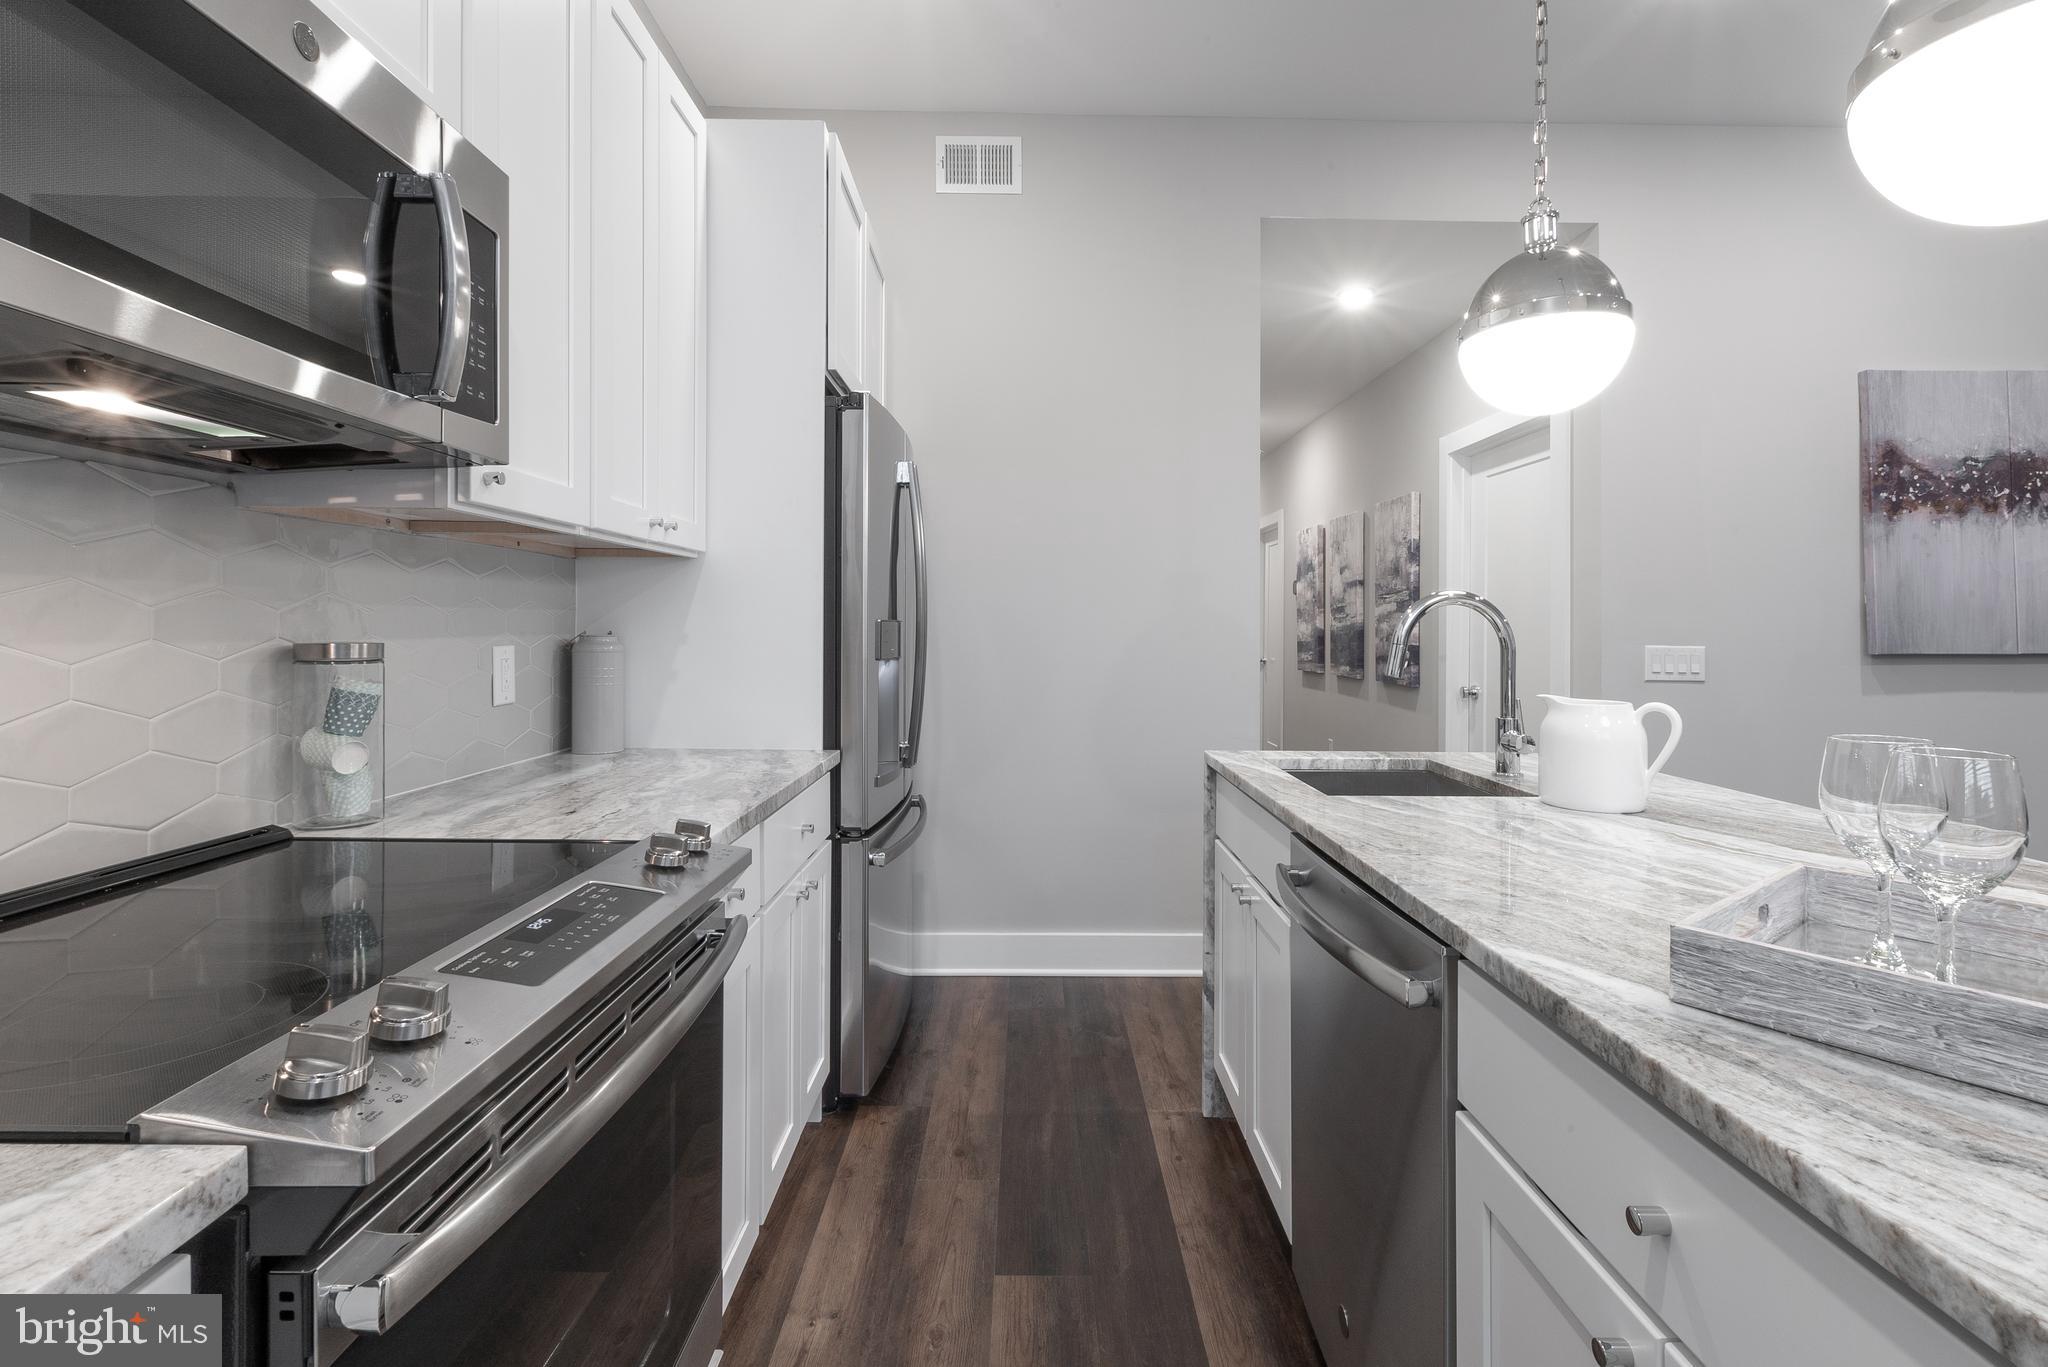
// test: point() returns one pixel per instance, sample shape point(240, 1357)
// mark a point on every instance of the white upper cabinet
point(625, 96)
point(846, 227)
point(680, 376)
point(874, 322)
point(421, 41)
point(523, 104)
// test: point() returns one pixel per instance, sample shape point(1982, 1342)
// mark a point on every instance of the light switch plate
point(501, 675)
point(1674, 664)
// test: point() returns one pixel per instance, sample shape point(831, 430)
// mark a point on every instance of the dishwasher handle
point(1413, 993)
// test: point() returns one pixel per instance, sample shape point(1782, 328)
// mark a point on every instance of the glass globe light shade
point(1946, 117)
point(1547, 332)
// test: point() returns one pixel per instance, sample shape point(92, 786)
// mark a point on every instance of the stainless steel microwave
point(229, 237)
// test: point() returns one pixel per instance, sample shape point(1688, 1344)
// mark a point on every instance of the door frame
point(1276, 522)
point(1457, 452)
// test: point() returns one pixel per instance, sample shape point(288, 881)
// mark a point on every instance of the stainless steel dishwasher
point(1373, 1097)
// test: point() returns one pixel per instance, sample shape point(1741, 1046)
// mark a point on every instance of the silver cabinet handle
point(1245, 900)
point(737, 895)
point(1239, 888)
point(1613, 1353)
point(1469, 691)
point(803, 894)
point(1648, 1222)
point(655, 523)
point(806, 828)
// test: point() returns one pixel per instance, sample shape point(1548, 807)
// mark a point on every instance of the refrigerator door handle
point(880, 858)
point(906, 474)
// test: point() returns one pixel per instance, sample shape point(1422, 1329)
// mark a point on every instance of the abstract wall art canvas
point(1309, 644)
point(1955, 532)
point(1348, 600)
point(1396, 580)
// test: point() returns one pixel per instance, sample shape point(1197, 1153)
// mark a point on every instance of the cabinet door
point(740, 1161)
point(419, 40)
point(874, 321)
point(813, 960)
point(780, 1123)
point(1270, 1133)
point(680, 372)
point(524, 103)
point(626, 71)
point(1529, 1291)
point(1233, 981)
point(846, 223)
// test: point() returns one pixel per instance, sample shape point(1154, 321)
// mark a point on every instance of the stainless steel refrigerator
point(875, 653)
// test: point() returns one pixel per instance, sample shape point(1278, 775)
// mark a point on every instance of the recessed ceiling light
point(1353, 298)
point(350, 277)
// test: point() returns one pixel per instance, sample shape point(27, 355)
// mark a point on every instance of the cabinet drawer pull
point(1239, 888)
point(1247, 900)
point(1613, 1353)
point(738, 894)
point(806, 829)
point(1648, 1222)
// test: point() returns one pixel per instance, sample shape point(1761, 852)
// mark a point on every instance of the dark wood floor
point(1032, 1183)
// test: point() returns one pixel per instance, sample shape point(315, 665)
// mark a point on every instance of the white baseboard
point(1063, 954)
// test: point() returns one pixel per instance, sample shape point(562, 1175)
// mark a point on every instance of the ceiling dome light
point(1355, 298)
point(1550, 329)
point(1946, 117)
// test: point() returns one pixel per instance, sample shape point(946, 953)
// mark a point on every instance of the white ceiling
point(1312, 354)
point(1628, 61)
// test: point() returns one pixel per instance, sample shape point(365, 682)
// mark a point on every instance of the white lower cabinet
point(777, 1020)
point(1529, 1291)
point(1740, 1277)
point(1254, 1061)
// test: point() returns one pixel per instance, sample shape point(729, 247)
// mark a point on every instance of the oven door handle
point(374, 1305)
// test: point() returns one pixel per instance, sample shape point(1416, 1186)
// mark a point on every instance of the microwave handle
point(375, 1305)
point(442, 385)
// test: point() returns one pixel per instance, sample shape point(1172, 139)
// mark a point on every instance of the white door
point(780, 1122)
point(1512, 544)
point(811, 1000)
point(626, 72)
point(1273, 603)
point(680, 372)
point(523, 102)
point(846, 221)
point(1270, 1134)
point(420, 41)
point(1529, 1292)
point(1234, 892)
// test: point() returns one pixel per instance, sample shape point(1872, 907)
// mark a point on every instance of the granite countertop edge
point(2010, 1328)
point(92, 1218)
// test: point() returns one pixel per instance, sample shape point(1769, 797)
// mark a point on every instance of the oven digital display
point(555, 936)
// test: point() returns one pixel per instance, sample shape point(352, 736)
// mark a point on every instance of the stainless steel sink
point(1414, 782)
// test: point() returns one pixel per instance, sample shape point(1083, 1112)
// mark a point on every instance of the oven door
point(229, 236)
point(596, 1243)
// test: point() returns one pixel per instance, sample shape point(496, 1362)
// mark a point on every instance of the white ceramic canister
point(597, 695)
point(1594, 755)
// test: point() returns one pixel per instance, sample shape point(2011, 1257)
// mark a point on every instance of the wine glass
point(1851, 776)
point(1955, 822)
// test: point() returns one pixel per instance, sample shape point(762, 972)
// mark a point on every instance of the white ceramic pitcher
point(1594, 755)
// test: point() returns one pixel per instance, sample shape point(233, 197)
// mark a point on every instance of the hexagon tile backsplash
point(145, 624)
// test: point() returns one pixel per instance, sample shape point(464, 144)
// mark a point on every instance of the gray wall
point(1079, 365)
point(1379, 443)
point(144, 630)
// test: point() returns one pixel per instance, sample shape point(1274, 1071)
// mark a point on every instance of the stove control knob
point(409, 1010)
point(322, 1062)
point(666, 852)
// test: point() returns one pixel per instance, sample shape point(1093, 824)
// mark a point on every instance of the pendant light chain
point(1539, 225)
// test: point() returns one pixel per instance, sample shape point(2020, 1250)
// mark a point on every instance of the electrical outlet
point(501, 675)
point(1674, 664)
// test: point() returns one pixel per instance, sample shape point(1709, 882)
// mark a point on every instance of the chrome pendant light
point(1550, 329)
point(1946, 117)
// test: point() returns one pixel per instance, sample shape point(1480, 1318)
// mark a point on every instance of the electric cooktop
point(112, 1001)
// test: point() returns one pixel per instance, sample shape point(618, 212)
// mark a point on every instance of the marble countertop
point(94, 1217)
point(626, 796)
point(1942, 1184)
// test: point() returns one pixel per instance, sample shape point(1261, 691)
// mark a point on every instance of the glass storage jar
point(338, 717)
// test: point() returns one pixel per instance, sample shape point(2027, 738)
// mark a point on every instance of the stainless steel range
point(480, 1083)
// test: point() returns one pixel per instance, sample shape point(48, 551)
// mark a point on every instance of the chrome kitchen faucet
point(1509, 739)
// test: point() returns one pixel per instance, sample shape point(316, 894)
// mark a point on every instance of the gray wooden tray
point(1782, 954)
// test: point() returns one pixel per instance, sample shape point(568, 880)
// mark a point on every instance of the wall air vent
point(981, 166)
